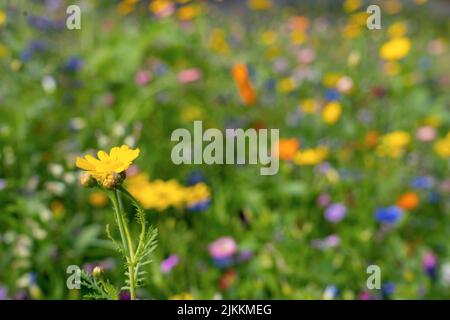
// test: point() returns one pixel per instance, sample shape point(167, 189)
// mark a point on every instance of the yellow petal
point(91, 159)
point(113, 154)
point(84, 164)
point(102, 155)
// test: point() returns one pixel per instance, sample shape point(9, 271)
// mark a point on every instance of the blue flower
point(389, 215)
point(422, 182)
point(73, 64)
point(195, 177)
point(332, 95)
point(200, 206)
point(388, 289)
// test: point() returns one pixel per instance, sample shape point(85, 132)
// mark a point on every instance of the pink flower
point(169, 263)
point(142, 77)
point(189, 75)
point(426, 134)
point(222, 248)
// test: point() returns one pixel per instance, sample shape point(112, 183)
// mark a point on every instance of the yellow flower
point(187, 12)
point(4, 51)
point(351, 5)
point(395, 49)
point(260, 4)
point(311, 156)
point(197, 193)
point(117, 161)
point(182, 296)
point(309, 106)
point(98, 199)
point(287, 85)
point(397, 29)
point(331, 79)
point(2, 17)
point(218, 41)
point(393, 144)
point(442, 147)
point(191, 113)
point(269, 37)
point(332, 112)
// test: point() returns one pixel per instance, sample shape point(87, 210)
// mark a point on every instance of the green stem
point(127, 239)
point(115, 201)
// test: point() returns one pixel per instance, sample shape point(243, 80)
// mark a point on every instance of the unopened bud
point(98, 271)
point(87, 180)
point(112, 180)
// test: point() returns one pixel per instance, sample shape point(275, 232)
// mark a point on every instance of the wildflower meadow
point(251, 149)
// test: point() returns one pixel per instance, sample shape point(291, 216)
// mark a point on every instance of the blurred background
point(364, 120)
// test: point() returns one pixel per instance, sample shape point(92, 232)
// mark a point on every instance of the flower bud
point(112, 180)
point(86, 180)
point(98, 271)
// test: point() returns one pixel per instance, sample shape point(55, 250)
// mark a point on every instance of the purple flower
point(124, 295)
point(3, 293)
point(335, 212)
point(222, 248)
point(73, 64)
point(168, 264)
point(323, 200)
point(2, 184)
point(389, 215)
point(430, 264)
point(329, 242)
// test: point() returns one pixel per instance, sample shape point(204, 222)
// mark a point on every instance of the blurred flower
point(2, 17)
point(430, 264)
point(395, 49)
point(371, 139)
point(189, 75)
point(306, 55)
point(223, 248)
point(309, 106)
point(98, 199)
point(286, 148)
point(331, 112)
point(218, 41)
point(162, 8)
point(124, 295)
point(330, 292)
point(442, 147)
point(182, 296)
point(422, 182)
point(393, 144)
point(323, 200)
point(311, 156)
point(287, 85)
point(408, 201)
point(188, 12)
point(351, 5)
point(242, 79)
point(117, 161)
point(397, 29)
point(388, 215)
point(227, 280)
point(142, 77)
point(426, 133)
point(332, 95)
point(445, 271)
point(2, 184)
point(4, 51)
point(48, 84)
point(259, 4)
point(387, 289)
point(3, 293)
point(335, 212)
point(168, 264)
point(73, 64)
point(197, 197)
point(328, 242)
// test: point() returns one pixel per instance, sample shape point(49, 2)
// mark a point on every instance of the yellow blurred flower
point(298, 37)
point(57, 208)
point(189, 12)
point(182, 296)
point(359, 18)
point(352, 30)
point(125, 7)
point(287, 85)
point(393, 144)
point(397, 29)
point(395, 49)
point(391, 68)
point(309, 106)
point(218, 42)
point(331, 79)
point(117, 161)
point(259, 4)
point(392, 6)
point(311, 156)
point(4, 51)
point(442, 147)
point(197, 193)
point(269, 37)
point(351, 5)
point(98, 199)
point(331, 112)
point(191, 113)
point(2, 17)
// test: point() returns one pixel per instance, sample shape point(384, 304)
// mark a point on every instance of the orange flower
point(371, 139)
point(242, 79)
point(287, 148)
point(408, 201)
